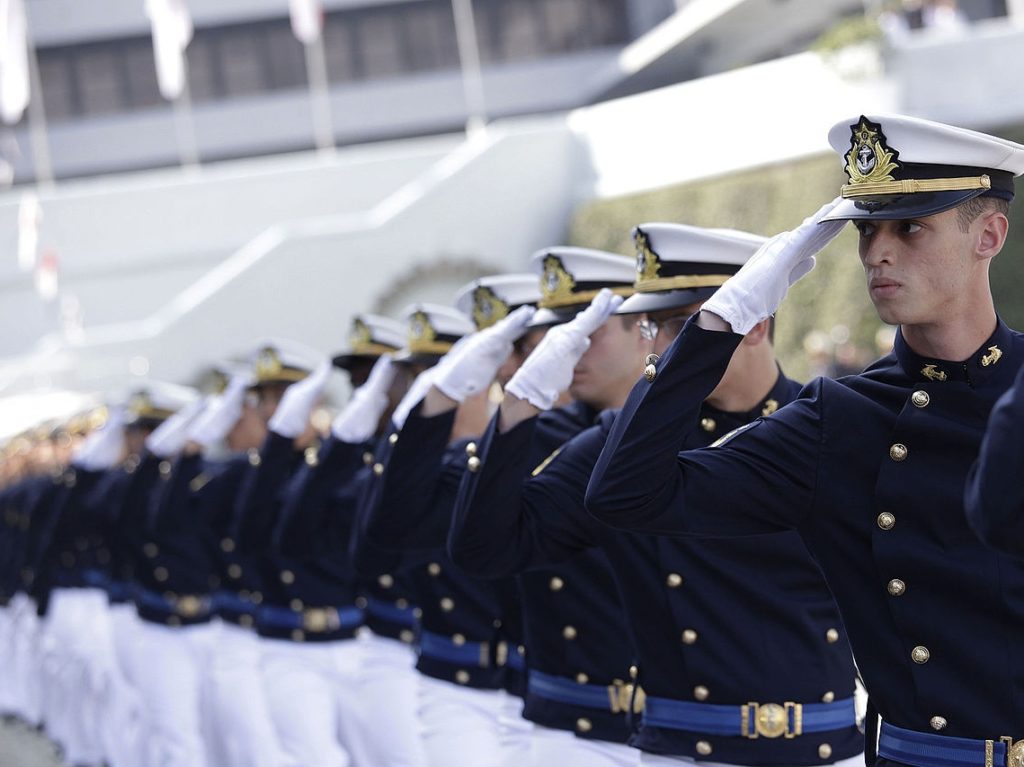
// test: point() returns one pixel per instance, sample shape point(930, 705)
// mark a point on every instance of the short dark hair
point(967, 212)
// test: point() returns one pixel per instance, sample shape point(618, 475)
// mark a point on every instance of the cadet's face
point(609, 368)
point(670, 323)
point(269, 398)
point(135, 439)
point(520, 351)
point(359, 372)
point(249, 430)
point(919, 271)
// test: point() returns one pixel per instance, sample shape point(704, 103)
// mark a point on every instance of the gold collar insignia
point(932, 373)
point(994, 355)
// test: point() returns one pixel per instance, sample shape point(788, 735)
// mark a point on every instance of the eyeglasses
point(671, 325)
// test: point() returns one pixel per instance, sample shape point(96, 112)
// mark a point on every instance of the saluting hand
point(292, 414)
point(358, 421)
point(221, 414)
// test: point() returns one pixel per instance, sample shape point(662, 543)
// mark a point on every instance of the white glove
point(547, 372)
point(414, 396)
point(169, 438)
point(358, 421)
point(102, 449)
point(292, 414)
point(471, 368)
point(221, 414)
point(756, 290)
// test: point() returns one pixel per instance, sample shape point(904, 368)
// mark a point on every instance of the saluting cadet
point(870, 469)
point(465, 623)
point(574, 624)
point(388, 589)
point(994, 496)
point(726, 631)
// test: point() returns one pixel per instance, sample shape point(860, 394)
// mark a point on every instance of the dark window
point(100, 76)
point(339, 49)
point(242, 61)
point(204, 79)
point(285, 56)
point(140, 71)
point(380, 44)
point(58, 85)
point(430, 36)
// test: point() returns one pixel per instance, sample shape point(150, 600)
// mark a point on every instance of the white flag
point(307, 20)
point(172, 32)
point(13, 61)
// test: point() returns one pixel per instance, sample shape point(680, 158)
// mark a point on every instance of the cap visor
point(406, 357)
point(545, 318)
point(669, 299)
point(897, 207)
point(346, 361)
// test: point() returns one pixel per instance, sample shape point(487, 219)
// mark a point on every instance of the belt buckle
point(501, 654)
point(1014, 752)
point(624, 697)
point(320, 619)
point(188, 606)
point(771, 720)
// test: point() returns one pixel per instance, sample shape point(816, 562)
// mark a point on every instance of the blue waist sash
point(924, 749)
point(750, 720)
point(316, 620)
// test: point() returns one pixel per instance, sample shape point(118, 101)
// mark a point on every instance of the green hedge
point(772, 199)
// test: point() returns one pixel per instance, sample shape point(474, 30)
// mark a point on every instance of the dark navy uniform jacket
point(716, 621)
point(870, 470)
point(575, 626)
point(469, 625)
point(26, 506)
point(994, 498)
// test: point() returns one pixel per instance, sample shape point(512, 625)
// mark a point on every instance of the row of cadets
point(726, 633)
point(472, 680)
point(869, 469)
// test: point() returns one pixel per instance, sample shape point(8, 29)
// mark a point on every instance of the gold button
point(938, 723)
point(287, 577)
point(406, 636)
point(227, 545)
point(828, 697)
point(582, 678)
point(385, 581)
point(161, 574)
point(447, 604)
point(462, 677)
point(378, 469)
point(361, 603)
point(254, 456)
point(920, 654)
point(296, 605)
point(434, 569)
point(150, 550)
point(824, 751)
point(368, 459)
point(708, 424)
point(689, 636)
point(393, 438)
point(556, 584)
point(473, 464)
point(470, 449)
point(700, 692)
point(569, 632)
point(235, 571)
point(703, 748)
point(674, 580)
point(920, 398)
point(245, 621)
point(256, 597)
point(298, 635)
point(831, 636)
point(164, 467)
point(898, 452)
point(584, 725)
point(633, 672)
point(311, 456)
point(886, 520)
point(402, 604)
point(458, 639)
point(897, 587)
point(417, 613)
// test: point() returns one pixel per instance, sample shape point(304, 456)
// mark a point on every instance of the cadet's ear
point(758, 334)
point(992, 234)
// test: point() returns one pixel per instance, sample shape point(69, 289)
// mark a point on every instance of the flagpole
point(184, 123)
point(38, 135)
point(469, 62)
point(319, 94)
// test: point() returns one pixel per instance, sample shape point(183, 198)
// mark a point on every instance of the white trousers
point(8, 683)
point(126, 736)
point(312, 694)
point(26, 660)
point(462, 727)
point(169, 671)
point(240, 731)
point(388, 689)
point(516, 732)
point(559, 747)
point(674, 761)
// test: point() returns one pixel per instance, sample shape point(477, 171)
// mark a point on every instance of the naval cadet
point(467, 625)
point(728, 633)
point(869, 469)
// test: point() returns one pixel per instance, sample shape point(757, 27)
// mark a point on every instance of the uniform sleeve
point(994, 495)
point(761, 478)
point(521, 510)
point(409, 508)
